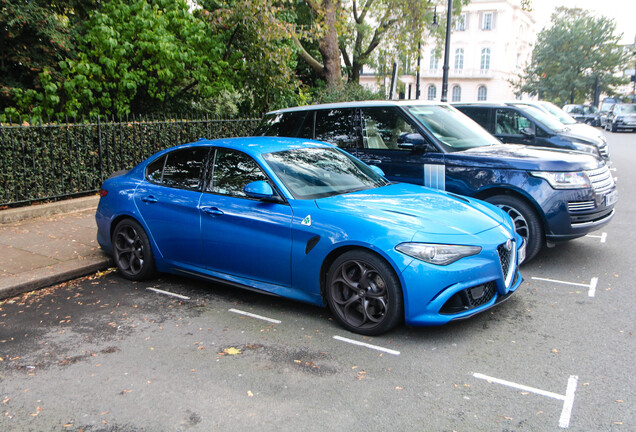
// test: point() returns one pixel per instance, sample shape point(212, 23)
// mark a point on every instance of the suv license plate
point(611, 198)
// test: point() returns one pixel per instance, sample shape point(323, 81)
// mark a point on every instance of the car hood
point(520, 157)
point(580, 136)
point(418, 208)
point(585, 130)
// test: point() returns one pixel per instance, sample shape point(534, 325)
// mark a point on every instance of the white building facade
point(491, 43)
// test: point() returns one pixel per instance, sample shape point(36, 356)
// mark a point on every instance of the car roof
point(257, 145)
point(358, 104)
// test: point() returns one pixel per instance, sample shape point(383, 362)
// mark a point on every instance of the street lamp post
point(449, 18)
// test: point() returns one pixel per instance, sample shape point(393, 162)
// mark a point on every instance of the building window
point(431, 93)
point(482, 93)
point(434, 63)
point(485, 60)
point(487, 21)
point(460, 25)
point(459, 59)
point(456, 94)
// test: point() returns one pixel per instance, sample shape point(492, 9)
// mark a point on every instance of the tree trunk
point(329, 48)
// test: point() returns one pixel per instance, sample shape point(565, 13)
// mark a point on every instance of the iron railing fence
point(51, 161)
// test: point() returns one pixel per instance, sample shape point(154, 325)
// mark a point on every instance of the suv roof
point(360, 104)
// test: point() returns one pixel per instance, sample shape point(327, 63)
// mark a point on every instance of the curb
point(34, 280)
point(77, 204)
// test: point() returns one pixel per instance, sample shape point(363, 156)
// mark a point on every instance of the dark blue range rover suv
point(552, 195)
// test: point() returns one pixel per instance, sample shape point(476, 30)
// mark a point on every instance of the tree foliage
point(569, 55)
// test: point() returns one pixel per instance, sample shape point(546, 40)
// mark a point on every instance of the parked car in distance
point(307, 221)
point(552, 195)
point(582, 129)
point(514, 123)
point(606, 104)
point(588, 114)
point(621, 117)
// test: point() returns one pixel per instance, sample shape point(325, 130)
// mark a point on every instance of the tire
point(614, 128)
point(364, 293)
point(132, 251)
point(527, 223)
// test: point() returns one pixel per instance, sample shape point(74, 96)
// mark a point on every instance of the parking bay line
point(568, 398)
point(591, 287)
point(364, 344)
point(251, 315)
point(603, 237)
point(168, 293)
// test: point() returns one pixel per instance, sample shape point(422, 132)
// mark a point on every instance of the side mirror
point(377, 170)
point(260, 190)
point(410, 140)
point(527, 132)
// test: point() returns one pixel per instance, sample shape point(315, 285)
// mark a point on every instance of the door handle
point(373, 161)
point(149, 199)
point(211, 210)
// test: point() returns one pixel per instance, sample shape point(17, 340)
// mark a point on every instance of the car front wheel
point(526, 221)
point(133, 254)
point(364, 293)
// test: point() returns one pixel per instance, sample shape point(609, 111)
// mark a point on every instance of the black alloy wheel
point(133, 254)
point(364, 293)
point(527, 223)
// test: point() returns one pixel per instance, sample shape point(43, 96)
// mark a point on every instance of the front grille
point(601, 178)
point(506, 258)
point(581, 205)
point(604, 151)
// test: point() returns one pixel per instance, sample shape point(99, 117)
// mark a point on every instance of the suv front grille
point(601, 178)
point(604, 151)
point(581, 205)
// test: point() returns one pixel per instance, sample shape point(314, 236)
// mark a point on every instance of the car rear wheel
point(364, 293)
point(526, 221)
point(133, 254)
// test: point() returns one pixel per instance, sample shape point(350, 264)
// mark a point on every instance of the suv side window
point(179, 169)
point(510, 122)
point(381, 128)
point(232, 171)
point(480, 115)
point(282, 124)
point(337, 127)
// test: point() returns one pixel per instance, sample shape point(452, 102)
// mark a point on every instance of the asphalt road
point(103, 354)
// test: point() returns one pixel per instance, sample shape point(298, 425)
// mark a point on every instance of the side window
point(282, 124)
point(336, 127)
point(479, 115)
point(232, 171)
point(381, 128)
point(179, 169)
point(510, 122)
point(307, 130)
point(155, 169)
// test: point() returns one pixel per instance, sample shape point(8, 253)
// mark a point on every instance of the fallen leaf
point(232, 351)
point(250, 394)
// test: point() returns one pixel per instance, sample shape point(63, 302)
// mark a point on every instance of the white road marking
point(568, 399)
point(603, 237)
point(168, 293)
point(240, 312)
point(375, 347)
point(591, 286)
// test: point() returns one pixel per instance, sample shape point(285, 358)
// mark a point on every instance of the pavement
point(46, 244)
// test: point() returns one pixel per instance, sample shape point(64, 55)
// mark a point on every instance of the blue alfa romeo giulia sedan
point(305, 220)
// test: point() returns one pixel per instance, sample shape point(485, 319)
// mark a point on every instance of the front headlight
point(564, 180)
point(587, 148)
point(439, 254)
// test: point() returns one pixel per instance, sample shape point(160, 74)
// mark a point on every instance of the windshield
point(627, 109)
point(563, 117)
point(311, 173)
point(544, 118)
point(453, 129)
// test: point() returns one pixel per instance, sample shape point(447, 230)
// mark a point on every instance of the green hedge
point(49, 161)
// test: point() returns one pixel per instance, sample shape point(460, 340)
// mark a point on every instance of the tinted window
point(155, 169)
point(232, 171)
point(281, 124)
point(381, 128)
point(480, 115)
point(336, 127)
point(183, 168)
point(510, 122)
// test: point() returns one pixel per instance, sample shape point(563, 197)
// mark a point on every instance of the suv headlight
point(564, 180)
point(439, 254)
point(587, 148)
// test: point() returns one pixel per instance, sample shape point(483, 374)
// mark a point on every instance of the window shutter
point(494, 19)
